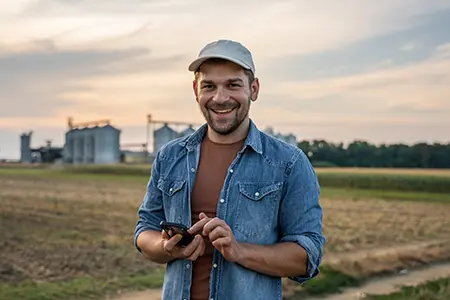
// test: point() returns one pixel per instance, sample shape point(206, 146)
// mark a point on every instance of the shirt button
point(231, 171)
point(171, 189)
point(215, 266)
point(192, 170)
point(222, 200)
point(256, 194)
point(188, 266)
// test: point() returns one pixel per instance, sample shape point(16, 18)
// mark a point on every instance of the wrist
point(241, 253)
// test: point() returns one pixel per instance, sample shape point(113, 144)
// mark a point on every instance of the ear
point(254, 90)
point(194, 87)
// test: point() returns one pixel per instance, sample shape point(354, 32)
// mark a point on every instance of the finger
point(164, 235)
point(221, 243)
point(202, 215)
point(198, 251)
point(203, 245)
point(217, 233)
point(189, 249)
point(197, 227)
point(172, 242)
point(213, 224)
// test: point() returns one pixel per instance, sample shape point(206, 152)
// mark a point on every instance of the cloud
point(327, 64)
point(398, 95)
point(40, 83)
point(408, 47)
point(443, 51)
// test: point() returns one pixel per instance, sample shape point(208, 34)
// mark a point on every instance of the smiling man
point(250, 200)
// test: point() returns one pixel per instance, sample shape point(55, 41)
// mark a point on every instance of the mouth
point(223, 112)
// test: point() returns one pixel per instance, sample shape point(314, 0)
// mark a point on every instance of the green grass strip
point(430, 290)
point(81, 287)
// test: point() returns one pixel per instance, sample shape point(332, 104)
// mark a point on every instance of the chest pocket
point(257, 203)
point(173, 194)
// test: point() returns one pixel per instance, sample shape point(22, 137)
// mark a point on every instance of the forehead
point(218, 70)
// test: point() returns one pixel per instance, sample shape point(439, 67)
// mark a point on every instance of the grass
point(386, 181)
point(80, 288)
point(356, 194)
point(329, 281)
point(71, 231)
point(431, 290)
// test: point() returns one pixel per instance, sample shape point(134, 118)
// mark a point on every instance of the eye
point(235, 85)
point(207, 86)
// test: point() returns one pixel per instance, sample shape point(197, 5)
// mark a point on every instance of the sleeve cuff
point(312, 253)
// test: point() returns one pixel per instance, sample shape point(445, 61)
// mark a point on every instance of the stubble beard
point(229, 126)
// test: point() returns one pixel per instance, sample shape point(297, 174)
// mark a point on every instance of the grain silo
point(25, 147)
point(99, 144)
point(162, 136)
point(187, 131)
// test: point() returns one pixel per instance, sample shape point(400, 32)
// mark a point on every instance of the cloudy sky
point(337, 70)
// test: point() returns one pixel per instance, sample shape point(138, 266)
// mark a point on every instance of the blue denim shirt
point(270, 195)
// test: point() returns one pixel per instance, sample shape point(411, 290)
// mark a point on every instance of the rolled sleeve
point(301, 215)
point(151, 211)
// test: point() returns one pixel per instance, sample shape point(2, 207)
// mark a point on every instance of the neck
point(239, 134)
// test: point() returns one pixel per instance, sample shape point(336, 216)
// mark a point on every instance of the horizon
point(377, 72)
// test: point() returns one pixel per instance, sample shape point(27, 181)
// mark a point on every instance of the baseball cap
point(225, 49)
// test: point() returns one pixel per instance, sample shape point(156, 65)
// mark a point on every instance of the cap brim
point(197, 63)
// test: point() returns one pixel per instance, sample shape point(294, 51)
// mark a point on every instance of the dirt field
point(60, 228)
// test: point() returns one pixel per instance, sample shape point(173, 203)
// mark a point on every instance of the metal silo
point(162, 136)
point(69, 147)
point(107, 145)
point(25, 147)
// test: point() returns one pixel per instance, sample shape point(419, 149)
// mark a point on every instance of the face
point(224, 94)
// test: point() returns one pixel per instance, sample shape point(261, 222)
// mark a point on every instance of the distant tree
point(363, 154)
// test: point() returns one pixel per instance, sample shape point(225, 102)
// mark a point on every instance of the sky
point(336, 70)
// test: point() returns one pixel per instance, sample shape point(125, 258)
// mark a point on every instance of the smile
point(223, 111)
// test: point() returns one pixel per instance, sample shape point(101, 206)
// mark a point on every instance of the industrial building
point(92, 143)
point(165, 134)
point(288, 138)
point(98, 142)
point(44, 154)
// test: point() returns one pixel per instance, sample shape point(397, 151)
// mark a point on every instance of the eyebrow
point(231, 80)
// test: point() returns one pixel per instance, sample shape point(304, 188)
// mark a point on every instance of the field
point(67, 233)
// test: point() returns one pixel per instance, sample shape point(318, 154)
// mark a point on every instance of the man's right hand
point(191, 252)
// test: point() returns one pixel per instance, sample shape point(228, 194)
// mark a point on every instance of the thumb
point(202, 216)
point(164, 235)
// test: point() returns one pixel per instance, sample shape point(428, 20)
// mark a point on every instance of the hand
point(191, 252)
point(198, 227)
point(223, 239)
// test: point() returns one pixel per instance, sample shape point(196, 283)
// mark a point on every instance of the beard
point(227, 125)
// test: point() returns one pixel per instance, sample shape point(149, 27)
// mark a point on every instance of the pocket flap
point(256, 191)
point(170, 187)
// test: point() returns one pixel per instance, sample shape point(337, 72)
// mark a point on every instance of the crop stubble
point(62, 228)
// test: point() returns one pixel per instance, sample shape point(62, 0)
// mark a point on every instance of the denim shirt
point(270, 195)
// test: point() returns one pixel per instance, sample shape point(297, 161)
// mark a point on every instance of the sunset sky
point(337, 70)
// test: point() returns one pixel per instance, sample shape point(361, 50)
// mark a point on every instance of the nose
point(221, 95)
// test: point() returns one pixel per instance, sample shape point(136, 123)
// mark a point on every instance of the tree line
point(363, 154)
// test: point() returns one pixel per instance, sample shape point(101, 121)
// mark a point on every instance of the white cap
point(225, 49)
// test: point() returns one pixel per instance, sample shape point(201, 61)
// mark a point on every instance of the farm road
point(381, 286)
point(388, 285)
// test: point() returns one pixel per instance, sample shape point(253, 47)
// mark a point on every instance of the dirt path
point(380, 286)
point(387, 285)
point(145, 295)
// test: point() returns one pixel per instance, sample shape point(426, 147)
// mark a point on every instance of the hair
point(250, 76)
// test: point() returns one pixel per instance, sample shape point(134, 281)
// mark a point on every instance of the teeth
point(223, 111)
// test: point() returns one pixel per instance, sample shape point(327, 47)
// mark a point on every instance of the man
point(250, 200)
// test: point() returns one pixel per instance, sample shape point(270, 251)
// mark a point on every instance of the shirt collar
point(253, 139)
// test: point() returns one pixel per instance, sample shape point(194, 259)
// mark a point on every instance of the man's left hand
point(223, 239)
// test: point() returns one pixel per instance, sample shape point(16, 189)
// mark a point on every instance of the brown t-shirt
point(214, 162)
